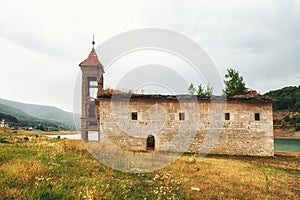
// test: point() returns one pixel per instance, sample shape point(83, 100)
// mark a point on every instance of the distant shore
point(282, 135)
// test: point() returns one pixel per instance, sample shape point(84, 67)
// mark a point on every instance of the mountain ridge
point(38, 112)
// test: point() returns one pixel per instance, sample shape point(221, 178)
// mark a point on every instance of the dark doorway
point(150, 142)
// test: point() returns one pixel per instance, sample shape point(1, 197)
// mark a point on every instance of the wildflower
point(195, 189)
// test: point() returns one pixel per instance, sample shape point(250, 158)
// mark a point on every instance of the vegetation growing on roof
point(200, 90)
point(235, 84)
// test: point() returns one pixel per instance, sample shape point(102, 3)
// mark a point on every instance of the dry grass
point(62, 169)
point(222, 177)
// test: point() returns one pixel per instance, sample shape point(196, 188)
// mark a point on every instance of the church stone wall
point(205, 131)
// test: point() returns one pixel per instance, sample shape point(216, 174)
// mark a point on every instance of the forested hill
point(31, 115)
point(287, 98)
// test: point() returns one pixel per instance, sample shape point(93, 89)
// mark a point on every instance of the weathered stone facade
point(234, 126)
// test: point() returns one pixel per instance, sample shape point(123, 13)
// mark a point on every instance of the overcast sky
point(42, 42)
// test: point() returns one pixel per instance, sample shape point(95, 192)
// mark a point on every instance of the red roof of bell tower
point(92, 60)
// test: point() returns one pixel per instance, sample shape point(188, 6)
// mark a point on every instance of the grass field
point(45, 168)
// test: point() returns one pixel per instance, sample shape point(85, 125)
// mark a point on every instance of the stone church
point(239, 125)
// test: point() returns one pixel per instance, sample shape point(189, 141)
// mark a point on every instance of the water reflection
point(92, 135)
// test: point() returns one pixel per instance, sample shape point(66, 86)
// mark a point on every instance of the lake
point(288, 145)
point(92, 136)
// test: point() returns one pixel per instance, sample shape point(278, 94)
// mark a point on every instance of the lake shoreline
point(291, 138)
point(282, 135)
point(287, 153)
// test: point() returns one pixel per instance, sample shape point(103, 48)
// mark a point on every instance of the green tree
point(234, 83)
point(287, 118)
point(192, 89)
point(283, 124)
point(208, 91)
point(297, 127)
point(295, 121)
point(200, 90)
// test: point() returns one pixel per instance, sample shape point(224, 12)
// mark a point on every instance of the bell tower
point(92, 81)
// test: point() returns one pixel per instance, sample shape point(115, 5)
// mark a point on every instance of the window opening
point(257, 117)
point(227, 116)
point(181, 116)
point(134, 116)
